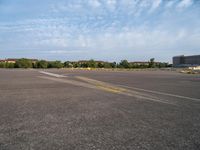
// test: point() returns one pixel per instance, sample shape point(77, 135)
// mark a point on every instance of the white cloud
point(107, 26)
point(65, 51)
point(155, 5)
point(184, 4)
point(94, 3)
point(170, 3)
point(111, 4)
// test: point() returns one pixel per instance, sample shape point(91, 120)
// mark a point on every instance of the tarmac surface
point(105, 110)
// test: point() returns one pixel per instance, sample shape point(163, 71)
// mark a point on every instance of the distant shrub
point(41, 64)
point(23, 63)
point(55, 64)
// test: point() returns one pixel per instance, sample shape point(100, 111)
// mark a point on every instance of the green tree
point(124, 64)
point(42, 64)
point(23, 63)
point(68, 64)
point(152, 63)
point(84, 65)
point(100, 65)
point(2, 65)
point(55, 64)
point(107, 65)
point(9, 65)
point(76, 64)
point(113, 64)
point(92, 63)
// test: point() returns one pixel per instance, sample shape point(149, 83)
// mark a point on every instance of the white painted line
point(78, 83)
point(161, 93)
point(52, 74)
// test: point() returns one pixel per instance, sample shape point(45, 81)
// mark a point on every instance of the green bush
point(68, 64)
point(92, 63)
point(10, 65)
point(2, 65)
point(124, 64)
point(42, 64)
point(27, 63)
point(55, 64)
point(23, 63)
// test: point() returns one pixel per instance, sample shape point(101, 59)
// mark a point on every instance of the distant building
point(186, 61)
point(8, 60)
point(13, 60)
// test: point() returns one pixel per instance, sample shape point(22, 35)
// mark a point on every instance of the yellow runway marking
point(123, 91)
point(102, 85)
point(95, 84)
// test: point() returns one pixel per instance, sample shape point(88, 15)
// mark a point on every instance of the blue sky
point(109, 30)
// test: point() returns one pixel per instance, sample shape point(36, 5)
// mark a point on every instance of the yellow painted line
point(124, 88)
point(94, 84)
point(78, 83)
point(102, 85)
point(109, 89)
point(123, 91)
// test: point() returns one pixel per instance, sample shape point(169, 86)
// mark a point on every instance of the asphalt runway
point(105, 110)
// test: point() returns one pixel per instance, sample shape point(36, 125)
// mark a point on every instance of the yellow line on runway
point(124, 91)
point(103, 85)
point(95, 84)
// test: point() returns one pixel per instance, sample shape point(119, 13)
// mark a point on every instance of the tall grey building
point(186, 61)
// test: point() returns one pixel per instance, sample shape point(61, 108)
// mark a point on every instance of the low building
point(13, 60)
point(9, 60)
point(186, 61)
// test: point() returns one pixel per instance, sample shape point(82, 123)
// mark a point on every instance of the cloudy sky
point(100, 29)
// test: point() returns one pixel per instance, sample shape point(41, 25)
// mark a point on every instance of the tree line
point(27, 63)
